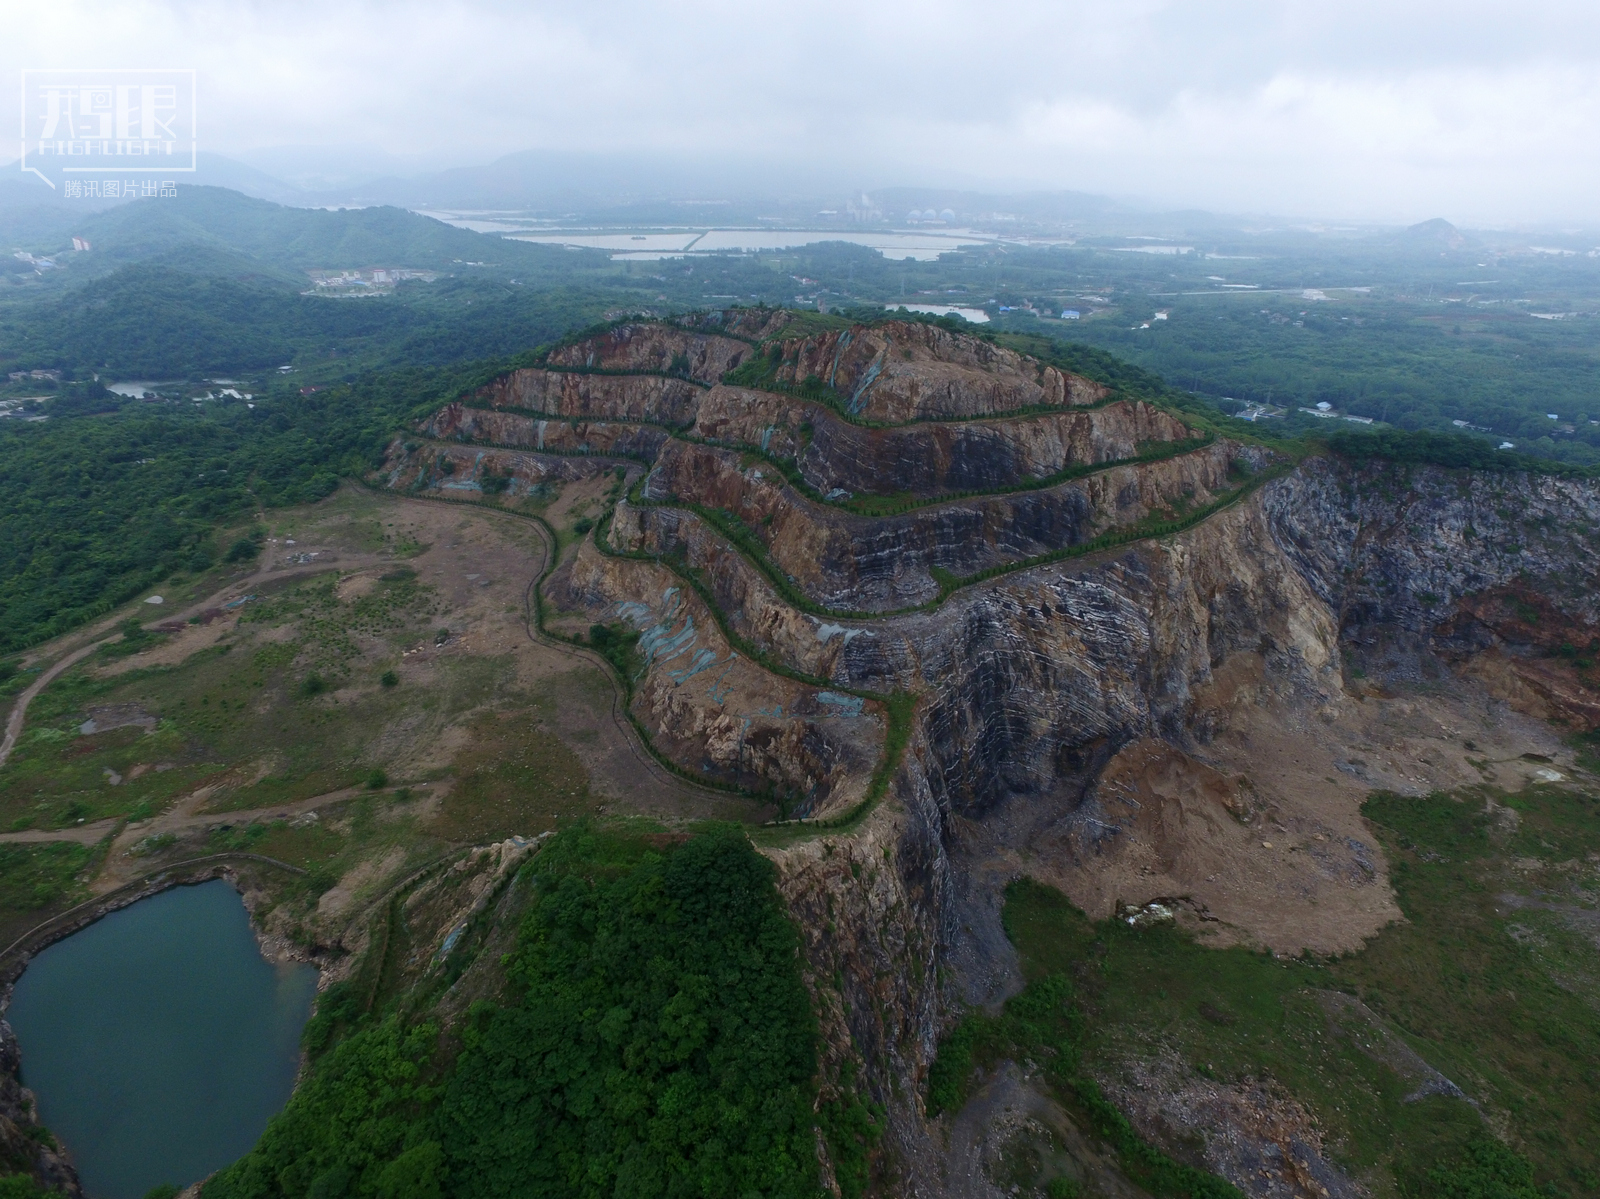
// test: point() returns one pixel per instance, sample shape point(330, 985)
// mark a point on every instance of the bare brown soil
point(545, 742)
point(1260, 832)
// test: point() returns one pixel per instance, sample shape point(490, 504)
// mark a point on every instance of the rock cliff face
point(597, 397)
point(716, 711)
point(1125, 724)
point(847, 562)
point(470, 472)
point(22, 1149)
point(653, 346)
point(875, 910)
point(457, 422)
point(926, 460)
point(905, 371)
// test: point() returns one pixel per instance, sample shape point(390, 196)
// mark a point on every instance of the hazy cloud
point(1480, 112)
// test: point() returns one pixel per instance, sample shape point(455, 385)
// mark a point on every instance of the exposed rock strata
point(713, 709)
point(976, 455)
point(657, 347)
point(906, 370)
point(927, 459)
point(460, 471)
point(548, 436)
point(595, 397)
point(873, 908)
point(850, 562)
point(1171, 719)
point(1495, 573)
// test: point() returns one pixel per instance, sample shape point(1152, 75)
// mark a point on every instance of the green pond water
point(158, 1041)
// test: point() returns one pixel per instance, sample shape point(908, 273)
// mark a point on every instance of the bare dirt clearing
point(378, 661)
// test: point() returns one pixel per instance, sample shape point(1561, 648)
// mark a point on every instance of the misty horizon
point(1366, 113)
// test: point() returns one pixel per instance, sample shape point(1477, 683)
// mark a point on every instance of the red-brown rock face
point(655, 347)
point(904, 371)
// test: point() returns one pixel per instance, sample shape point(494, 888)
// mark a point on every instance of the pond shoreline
point(53, 1167)
point(15, 957)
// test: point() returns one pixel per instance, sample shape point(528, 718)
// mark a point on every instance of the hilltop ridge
point(983, 618)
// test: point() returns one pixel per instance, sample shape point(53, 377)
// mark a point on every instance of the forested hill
point(216, 313)
point(293, 238)
point(100, 507)
point(213, 282)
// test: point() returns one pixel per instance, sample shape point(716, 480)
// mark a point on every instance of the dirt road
point(19, 710)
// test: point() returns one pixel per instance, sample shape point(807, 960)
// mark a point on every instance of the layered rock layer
point(981, 454)
point(906, 371)
point(1173, 717)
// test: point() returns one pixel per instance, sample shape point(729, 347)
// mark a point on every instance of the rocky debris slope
point(1251, 1132)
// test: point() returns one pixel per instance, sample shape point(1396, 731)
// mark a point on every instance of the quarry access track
point(19, 709)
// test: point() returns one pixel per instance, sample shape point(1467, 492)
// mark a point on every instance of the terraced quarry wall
point(904, 371)
point(655, 347)
point(792, 572)
point(1130, 681)
point(595, 397)
point(847, 562)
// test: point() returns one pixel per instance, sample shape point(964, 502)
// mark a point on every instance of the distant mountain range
point(616, 190)
point(216, 230)
point(639, 190)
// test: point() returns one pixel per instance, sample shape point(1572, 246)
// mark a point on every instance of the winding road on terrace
point(19, 710)
point(188, 812)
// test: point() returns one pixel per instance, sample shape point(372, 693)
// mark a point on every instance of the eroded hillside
point(969, 619)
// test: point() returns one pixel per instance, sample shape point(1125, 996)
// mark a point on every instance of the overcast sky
point(1393, 110)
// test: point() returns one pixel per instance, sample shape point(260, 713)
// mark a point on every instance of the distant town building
point(346, 282)
point(1070, 314)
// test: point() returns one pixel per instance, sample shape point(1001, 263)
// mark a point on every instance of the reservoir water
point(159, 1041)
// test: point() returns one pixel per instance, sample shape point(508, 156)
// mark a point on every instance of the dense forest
point(162, 322)
point(1401, 364)
point(107, 497)
point(657, 1042)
